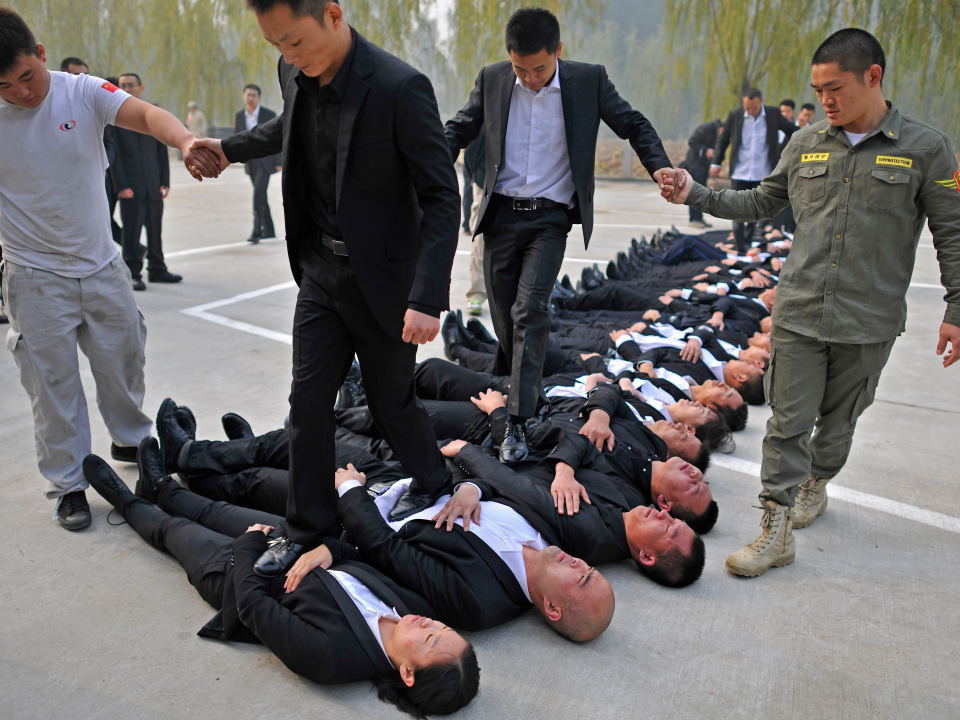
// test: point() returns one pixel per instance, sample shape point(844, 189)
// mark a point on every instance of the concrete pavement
point(97, 624)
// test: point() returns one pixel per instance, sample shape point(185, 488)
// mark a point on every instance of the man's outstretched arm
point(149, 119)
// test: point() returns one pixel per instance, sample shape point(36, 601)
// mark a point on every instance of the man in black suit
point(260, 169)
point(322, 629)
point(753, 136)
point(476, 576)
point(540, 116)
point(142, 176)
point(697, 162)
point(372, 209)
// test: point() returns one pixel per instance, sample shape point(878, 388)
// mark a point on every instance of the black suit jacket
point(587, 96)
point(704, 138)
point(317, 630)
point(267, 164)
point(141, 164)
point(466, 581)
point(596, 534)
point(398, 200)
point(732, 135)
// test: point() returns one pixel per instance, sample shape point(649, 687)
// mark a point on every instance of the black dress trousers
point(522, 254)
point(743, 232)
point(262, 219)
point(333, 322)
point(137, 213)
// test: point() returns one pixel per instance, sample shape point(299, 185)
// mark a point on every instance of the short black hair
point(112, 80)
point(789, 103)
point(68, 61)
point(139, 81)
point(808, 106)
point(854, 50)
point(752, 390)
point(751, 93)
point(703, 523)
point(531, 30)
point(251, 86)
point(715, 434)
point(16, 40)
point(439, 689)
point(299, 8)
point(736, 419)
point(702, 460)
point(676, 570)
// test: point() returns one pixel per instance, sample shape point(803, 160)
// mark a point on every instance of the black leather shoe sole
point(123, 454)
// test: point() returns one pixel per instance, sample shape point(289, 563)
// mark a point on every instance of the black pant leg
point(456, 420)
point(133, 214)
point(501, 275)
point(441, 380)
point(203, 554)
point(477, 360)
point(743, 232)
point(221, 517)
point(270, 450)
point(700, 176)
point(112, 201)
point(259, 488)
point(467, 200)
point(262, 219)
point(154, 223)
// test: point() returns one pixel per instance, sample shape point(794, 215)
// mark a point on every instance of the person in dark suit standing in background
point(753, 136)
point(260, 169)
point(143, 181)
point(372, 210)
point(540, 116)
point(697, 162)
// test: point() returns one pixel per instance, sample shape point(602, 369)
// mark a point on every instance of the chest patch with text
point(895, 161)
point(814, 157)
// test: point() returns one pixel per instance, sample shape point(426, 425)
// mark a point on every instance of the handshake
point(675, 184)
point(204, 158)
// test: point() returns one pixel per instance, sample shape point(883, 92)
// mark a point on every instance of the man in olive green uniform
point(861, 183)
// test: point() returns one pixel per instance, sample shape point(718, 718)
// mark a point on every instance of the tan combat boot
point(811, 501)
point(775, 547)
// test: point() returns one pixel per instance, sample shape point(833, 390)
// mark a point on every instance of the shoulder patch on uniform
point(814, 157)
point(951, 184)
point(109, 87)
point(897, 161)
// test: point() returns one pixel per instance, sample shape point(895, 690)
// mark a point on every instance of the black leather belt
point(339, 247)
point(529, 203)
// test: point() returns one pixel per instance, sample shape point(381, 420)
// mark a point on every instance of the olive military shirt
point(859, 213)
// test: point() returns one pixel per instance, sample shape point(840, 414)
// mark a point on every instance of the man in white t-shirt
point(64, 286)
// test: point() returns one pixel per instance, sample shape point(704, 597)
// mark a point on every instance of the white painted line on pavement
point(202, 312)
point(855, 497)
point(212, 248)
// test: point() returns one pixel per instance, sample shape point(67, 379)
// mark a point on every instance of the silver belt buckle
point(518, 204)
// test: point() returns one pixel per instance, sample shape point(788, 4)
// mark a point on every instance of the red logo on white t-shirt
point(109, 87)
point(69, 125)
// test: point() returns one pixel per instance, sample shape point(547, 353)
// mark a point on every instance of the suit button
point(833, 264)
point(893, 177)
point(837, 237)
point(811, 171)
point(846, 179)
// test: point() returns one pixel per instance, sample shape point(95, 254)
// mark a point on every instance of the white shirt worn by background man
point(501, 528)
point(536, 162)
point(251, 118)
point(753, 158)
point(54, 214)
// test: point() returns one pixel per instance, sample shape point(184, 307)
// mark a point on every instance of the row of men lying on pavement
point(614, 472)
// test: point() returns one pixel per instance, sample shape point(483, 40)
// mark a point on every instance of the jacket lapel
point(376, 586)
point(359, 626)
point(290, 92)
point(353, 96)
point(568, 97)
point(507, 83)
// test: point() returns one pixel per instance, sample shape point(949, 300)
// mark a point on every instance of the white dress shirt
point(503, 529)
point(753, 159)
point(536, 161)
point(370, 606)
point(251, 117)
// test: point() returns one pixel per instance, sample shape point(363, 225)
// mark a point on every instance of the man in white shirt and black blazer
point(261, 169)
point(540, 116)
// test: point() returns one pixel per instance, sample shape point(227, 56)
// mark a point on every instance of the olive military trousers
point(817, 391)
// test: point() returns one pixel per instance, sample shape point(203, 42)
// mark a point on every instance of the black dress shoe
point(138, 284)
point(253, 239)
point(73, 512)
point(152, 472)
point(278, 558)
point(588, 279)
point(123, 454)
point(236, 427)
point(410, 503)
point(165, 277)
point(187, 421)
point(268, 235)
point(172, 436)
point(612, 271)
point(105, 481)
point(4, 319)
point(351, 395)
point(480, 332)
point(513, 447)
point(451, 337)
point(467, 338)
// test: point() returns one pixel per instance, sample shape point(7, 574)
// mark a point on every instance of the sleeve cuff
point(686, 293)
point(479, 491)
point(347, 487)
point(952, 315)
point(425, 309)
